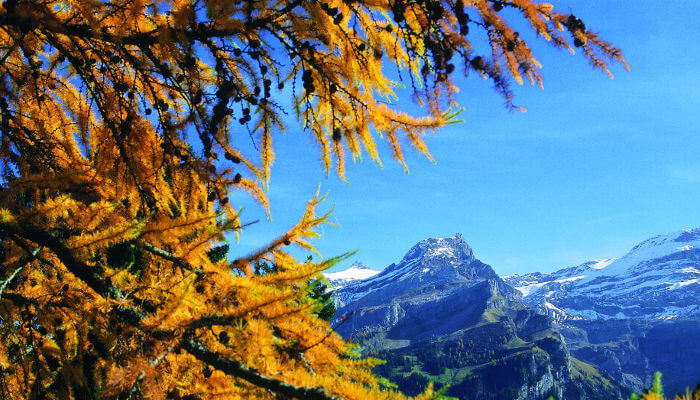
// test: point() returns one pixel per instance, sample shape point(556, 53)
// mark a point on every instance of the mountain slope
point(632, 316)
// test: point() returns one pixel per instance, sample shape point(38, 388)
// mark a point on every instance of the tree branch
point(136, 387)
point(8, 280)
point(239, 370)
point(170, 257)
point(85, 31)
point(91, 275)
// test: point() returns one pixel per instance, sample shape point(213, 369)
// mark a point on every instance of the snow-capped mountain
point(435, 261)
point(532, 282)
point(430, 271)
point(658, 278)
point(632, 316)
point(622, 320)
point(357, 272)
point(441, 306)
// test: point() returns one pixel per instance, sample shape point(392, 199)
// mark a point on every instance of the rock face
point(632, 316)
point(632, 350)
point(442, 315)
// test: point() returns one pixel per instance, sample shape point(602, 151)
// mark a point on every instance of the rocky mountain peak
point(441, 247)
point(437, 259)
point(433, 269)
point(359, 265)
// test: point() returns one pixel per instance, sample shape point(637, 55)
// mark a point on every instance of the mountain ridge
point(443, 315)
point(655, 279)
point(633, 315)
point(614, 320)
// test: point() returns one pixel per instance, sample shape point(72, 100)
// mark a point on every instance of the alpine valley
point(592, 331)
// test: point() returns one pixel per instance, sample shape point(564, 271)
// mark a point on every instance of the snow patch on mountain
point(528, 288)
point(677, 285)
point(602, 263)
point(357, 272)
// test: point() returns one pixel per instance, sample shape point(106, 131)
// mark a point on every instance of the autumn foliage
point(121, 126)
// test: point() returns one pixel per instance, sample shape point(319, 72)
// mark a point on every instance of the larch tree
point(121, 125)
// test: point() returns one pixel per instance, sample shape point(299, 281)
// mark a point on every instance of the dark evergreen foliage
point(318, 290)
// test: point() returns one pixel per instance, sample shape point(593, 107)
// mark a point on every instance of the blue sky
point(594, 167)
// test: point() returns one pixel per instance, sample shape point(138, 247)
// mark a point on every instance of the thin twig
point(8, 280)
point(142, 375)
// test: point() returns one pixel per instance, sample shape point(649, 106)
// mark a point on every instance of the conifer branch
point(211, 320)
point(239, 370)
point(199, 32)
point(93, 276)
point(135, 388)
point(8, 280)
point(133, 316)
point(85, 31)
point(170, 257)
